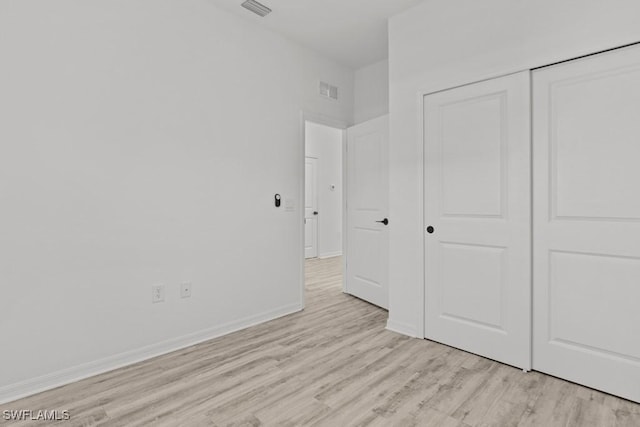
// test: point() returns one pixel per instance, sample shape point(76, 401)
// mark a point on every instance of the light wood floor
point(332, 365)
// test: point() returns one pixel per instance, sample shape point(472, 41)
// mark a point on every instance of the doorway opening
point(323, 191)
point(345, 194)
point(324, 201)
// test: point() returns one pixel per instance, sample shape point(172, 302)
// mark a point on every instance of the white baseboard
point(402, 328)
point(330, 255)
point(42, 383)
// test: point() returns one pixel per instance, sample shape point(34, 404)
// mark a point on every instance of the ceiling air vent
point(328, 91)
point(257, 8)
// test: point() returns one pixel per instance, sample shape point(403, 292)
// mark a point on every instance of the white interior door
point(367, 209)
point(478, 201)
point(587, 221)
point(310, 207)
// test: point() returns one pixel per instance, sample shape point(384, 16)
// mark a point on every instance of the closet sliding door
point(477, 218)
point(586, 145)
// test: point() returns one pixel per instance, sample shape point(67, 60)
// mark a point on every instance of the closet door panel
point(477, 199)
point(586, 146)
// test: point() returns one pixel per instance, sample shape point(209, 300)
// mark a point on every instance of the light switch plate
point(289, 205)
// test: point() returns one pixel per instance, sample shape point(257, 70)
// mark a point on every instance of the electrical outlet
point(185, 289)
point(157, 293)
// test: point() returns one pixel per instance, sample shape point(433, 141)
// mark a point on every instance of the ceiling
point(351, 32)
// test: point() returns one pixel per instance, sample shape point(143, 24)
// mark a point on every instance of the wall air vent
point(328, 91)
point(257, 8)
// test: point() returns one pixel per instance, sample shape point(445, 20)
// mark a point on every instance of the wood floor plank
point(333, 364)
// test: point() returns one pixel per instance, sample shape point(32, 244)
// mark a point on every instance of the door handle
point(384, 221)
point(430, 229)
point(315, 212)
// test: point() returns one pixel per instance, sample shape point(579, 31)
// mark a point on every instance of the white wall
point(443, 43)
point(142, 142)
point(371, 93)
point(325, 144)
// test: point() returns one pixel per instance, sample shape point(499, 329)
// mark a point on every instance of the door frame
point(342, 125)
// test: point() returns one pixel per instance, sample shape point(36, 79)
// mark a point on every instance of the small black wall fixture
point(277, 200)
